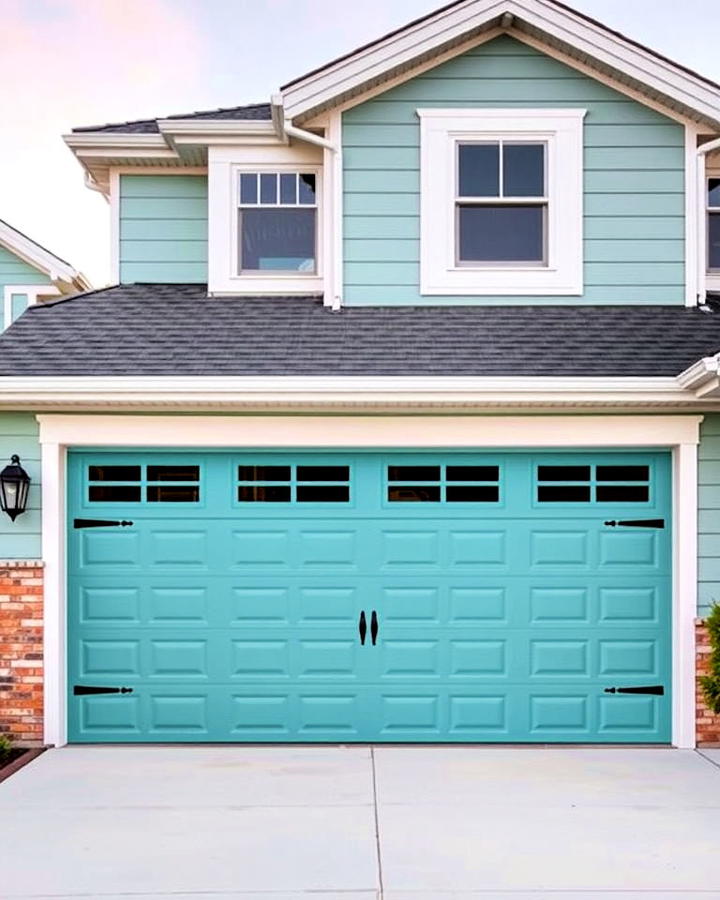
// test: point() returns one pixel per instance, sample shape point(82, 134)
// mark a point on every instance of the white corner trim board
point(681, 434)
point(441, 133)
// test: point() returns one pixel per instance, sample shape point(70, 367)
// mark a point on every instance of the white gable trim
point(398, 51)
point(41, 259)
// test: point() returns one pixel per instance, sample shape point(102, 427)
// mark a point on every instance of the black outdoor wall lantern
point(14, 485)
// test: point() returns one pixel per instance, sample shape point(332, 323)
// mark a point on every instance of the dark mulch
point(13, 761)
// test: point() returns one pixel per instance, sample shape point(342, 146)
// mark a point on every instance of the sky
point(65, 63)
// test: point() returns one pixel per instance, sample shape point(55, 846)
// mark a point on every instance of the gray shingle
point(167, 329)
point(255, 111)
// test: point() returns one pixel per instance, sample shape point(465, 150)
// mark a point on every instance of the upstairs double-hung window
point(502, 203)
point(277, 223)
point(713, 225)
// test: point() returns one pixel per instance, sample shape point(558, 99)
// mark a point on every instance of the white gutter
point(434, 394)
point(702, 377)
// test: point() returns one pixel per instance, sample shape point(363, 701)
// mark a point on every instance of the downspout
point(332, 163)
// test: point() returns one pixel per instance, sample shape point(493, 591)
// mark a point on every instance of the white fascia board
point(218, 132)
point(39, 258)
point(119, 141)
point(449, 25)
point(239, 392)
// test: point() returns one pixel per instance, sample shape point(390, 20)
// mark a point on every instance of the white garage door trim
point(681, 434)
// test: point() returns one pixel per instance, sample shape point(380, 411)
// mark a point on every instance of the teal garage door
point(394, 596)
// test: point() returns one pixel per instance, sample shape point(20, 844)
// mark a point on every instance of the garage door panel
point(237, 620)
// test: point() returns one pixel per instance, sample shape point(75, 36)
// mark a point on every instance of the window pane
point(485, 493)
point(564, 493)
point(176, 494)
point(288, 188)
point(306, 189)
point(501, 234)
point(623, 473)
point(413, 473)
point(323, 473)
point(524, 170)
point(277, 240)
point(619, 493)
point(114, 473)
point(563, 473)
point(248, 188)
point(472, 473)
point(714, 241)
point(268, 188)
point(479, 170)
point(425, 494)
point(248, 493)
point(714, 192)
point(263, 473)
point(328, 493)
point(173, 473)
point(105, 493)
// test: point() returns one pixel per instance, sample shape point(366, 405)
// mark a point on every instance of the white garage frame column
point(679, 433)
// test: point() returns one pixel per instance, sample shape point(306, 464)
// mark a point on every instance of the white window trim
point(712, 277)
point(681, 434)
point(33, 292)
point(562, 131)
point(223, 189)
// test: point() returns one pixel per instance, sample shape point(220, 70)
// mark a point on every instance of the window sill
point(508, 282)
point(268, 285)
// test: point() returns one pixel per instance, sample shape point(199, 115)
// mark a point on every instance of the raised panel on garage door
point(507, 595)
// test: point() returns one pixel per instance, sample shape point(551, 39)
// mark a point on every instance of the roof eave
point(67, 278)
point(513, 392)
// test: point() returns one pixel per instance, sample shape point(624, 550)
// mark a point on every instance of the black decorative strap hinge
point(637, 523)
point(81, 689)
point(100, 523)
point(657, 689)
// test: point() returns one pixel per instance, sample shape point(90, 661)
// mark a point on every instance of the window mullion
point(501, 170)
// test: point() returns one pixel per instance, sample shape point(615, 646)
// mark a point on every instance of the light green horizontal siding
point(163, 228)
point(709, 514)
point(19, 434)
point(634, 180)
point(388, 249)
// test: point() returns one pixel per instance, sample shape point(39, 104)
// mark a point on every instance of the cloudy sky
point(83, 62)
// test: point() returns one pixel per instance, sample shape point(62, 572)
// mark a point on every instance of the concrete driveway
point(356, 823)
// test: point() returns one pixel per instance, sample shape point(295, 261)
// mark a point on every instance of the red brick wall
point(708, 723)
point(21, 652)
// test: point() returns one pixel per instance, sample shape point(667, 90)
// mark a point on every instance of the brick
point(21, 651)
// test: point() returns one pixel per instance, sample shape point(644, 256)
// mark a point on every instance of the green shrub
point(5, 748)
point(711, 683)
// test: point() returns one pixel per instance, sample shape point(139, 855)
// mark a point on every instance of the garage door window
point(437, 484)
point(153, 483)
point(587, 484)
point(293, 484)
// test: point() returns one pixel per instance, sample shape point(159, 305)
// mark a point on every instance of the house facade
point(402, 422)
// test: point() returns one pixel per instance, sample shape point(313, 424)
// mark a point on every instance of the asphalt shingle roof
point(165, 329)
point(255, 111)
